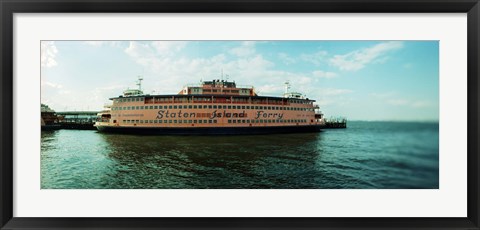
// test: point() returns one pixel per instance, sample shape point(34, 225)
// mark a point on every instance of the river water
point(372, 155)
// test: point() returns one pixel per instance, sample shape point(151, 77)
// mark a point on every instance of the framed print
point(267, 114)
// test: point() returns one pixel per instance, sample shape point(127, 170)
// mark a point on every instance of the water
point(373, 155)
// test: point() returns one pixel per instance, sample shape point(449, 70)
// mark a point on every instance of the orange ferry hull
point(210, 130)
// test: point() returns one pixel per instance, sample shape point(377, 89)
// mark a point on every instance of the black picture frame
point(10, 7)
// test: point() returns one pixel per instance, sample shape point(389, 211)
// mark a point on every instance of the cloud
point(102, 43)
point(247, 48)
point(411, 103)
point(51, 85)
point(315, 58)
point(421, 104)
point(48, 51)
point(286, 59)
point(398, 102)
point(407, 65)
point(334, 92)
point(165, 48)
point(323, 74)
point(165, 73)
point(358, 59)
point(172, 72)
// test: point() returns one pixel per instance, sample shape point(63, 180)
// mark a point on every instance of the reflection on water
point(365, 155)
point(211, 162)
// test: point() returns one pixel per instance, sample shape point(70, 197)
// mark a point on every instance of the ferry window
point(141, 99)
point(125, 108)
point(159, 121)
point(243, 121)
point(141, 107)
point(170, 106)
point(155, 121)
point(209, 106)
point(214, 121)
point(210, 121)
point(123, 121)
point(224, 107)
point(243, 107)
point(229, 121)
point(256, 107)
point(261, 121)
point(214, 106)
point(205, 121)
point(169, 121)
point(180, 106)
point(180, 121)
point(200, 121)
point(229, 107)
point(155, 107)
point(174, 107)
point(234, 121)
point(190, 106)
point(205, 106)
point(239, 121)
point(175, 121)
point(194, 106)
point(141, 122)
point(234, 107)
point(189, 121)
point(195, 121)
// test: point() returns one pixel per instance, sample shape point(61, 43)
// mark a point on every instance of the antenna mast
point(139, 82)
point(287, 86)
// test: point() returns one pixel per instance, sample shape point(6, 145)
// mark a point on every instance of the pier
point(77, 119)
point(336, 123)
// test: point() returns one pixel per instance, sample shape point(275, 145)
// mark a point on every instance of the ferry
point(216, 107)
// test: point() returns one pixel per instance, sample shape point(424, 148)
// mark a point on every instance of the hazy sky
point(359, 80)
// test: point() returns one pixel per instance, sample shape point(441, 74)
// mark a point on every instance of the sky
point(357, 80)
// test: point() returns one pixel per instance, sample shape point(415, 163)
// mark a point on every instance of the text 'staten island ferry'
point(212, 107)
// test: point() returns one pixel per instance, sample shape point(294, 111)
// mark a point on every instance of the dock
point(83, 120)
point(336, 123)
